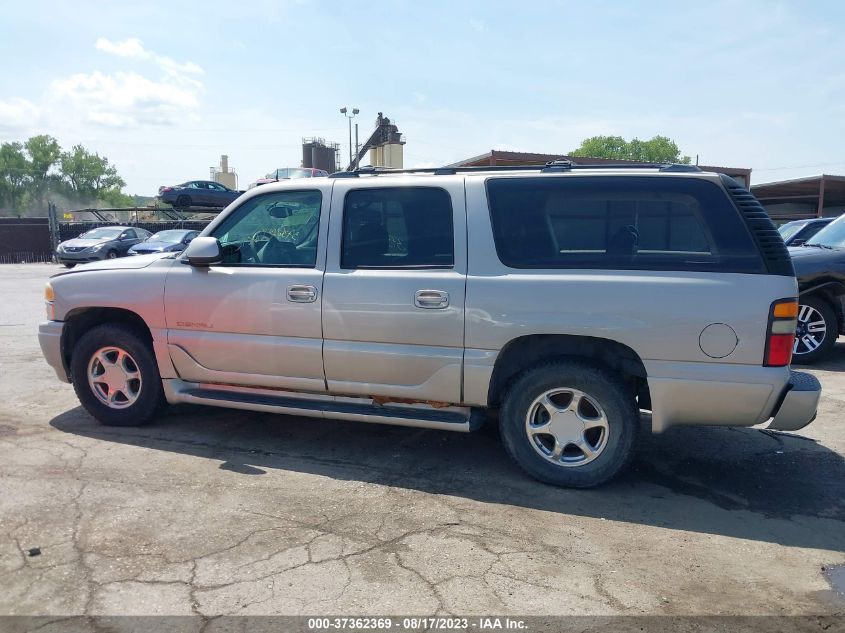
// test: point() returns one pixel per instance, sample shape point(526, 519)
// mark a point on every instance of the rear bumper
point(800, 402)
point(50, 339)
point(723, 394)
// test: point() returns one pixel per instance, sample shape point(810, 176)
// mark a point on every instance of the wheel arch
point(80, 320)
point(830, 291)
point(526, 351)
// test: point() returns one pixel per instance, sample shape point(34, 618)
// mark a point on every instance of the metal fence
point(70, 230)
point(25, 240)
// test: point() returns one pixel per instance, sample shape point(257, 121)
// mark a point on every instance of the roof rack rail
point(550, 167)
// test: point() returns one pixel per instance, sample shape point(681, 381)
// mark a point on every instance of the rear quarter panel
point(658, 314)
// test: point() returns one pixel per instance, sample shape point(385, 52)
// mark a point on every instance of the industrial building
point(224, 175)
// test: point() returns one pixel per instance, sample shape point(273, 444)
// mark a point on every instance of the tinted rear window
point(619, 223)
point(398, 227)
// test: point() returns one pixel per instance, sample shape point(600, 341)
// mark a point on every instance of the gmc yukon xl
point(565, 299)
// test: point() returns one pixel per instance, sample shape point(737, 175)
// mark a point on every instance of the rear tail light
point(780, 337)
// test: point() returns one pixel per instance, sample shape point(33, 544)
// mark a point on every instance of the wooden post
point(820, 210)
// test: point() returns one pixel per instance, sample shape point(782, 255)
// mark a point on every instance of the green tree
point(89, 175)
point(37, 168)
point(659, 149)
point(44, 152)
point(14, 174)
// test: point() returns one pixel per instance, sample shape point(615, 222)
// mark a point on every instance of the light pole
point(344, 112)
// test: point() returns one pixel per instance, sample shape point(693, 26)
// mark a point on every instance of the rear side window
point(397, 227)
point(623, 223)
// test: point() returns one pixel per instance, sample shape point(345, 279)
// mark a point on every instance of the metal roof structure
point(822, 189)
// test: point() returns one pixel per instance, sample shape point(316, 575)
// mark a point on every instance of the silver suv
point(564, 299)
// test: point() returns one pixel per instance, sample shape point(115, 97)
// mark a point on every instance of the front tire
point(569, 423)
point(69, 265)
point(111, 255)
point(116, 377)
point(817, 330)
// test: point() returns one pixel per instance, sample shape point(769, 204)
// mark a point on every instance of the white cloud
point(17, 114)
point(128, 98)
point(132, 48)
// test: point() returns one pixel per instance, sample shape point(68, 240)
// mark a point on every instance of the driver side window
point(274, 229)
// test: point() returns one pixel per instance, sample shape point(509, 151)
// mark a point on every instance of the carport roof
point(824, 189)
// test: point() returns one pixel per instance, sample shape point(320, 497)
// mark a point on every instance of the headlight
point(96, 248)
point(60, 248)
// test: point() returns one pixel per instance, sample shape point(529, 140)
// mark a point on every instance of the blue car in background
point(197, 193)
point(799, 231)
point(170, 241)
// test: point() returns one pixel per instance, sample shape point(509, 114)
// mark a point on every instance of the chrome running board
point(322, 406)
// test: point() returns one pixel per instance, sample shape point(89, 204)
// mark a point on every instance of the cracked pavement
point(212, 511)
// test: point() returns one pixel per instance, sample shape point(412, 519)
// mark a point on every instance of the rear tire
point(183, 202)
point(69, 265)
point(115, 376)
point(580, 394)
point(812, 311)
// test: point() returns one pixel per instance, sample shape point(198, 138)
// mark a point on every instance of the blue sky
point(163, 89)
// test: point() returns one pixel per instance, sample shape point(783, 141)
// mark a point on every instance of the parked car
point(169, 241)
point(103, 242)
point(289, 173)
point(198, 193)
point(564, 298)
point(820, 268)
point(799, 231)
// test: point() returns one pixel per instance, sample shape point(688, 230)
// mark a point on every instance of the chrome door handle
point(431, 299)
point(302, 294)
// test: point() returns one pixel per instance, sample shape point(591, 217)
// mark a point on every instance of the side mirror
point(204, 251)
point(187, 240)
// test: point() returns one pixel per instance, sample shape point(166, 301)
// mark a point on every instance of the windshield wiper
point(817, 245)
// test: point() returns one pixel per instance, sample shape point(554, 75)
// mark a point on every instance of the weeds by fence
point(25, 257)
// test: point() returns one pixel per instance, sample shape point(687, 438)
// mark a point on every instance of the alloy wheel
point(114, 377)
point(567, 427)
point(810, 332)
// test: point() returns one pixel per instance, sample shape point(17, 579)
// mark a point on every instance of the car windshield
point(101, 233)
point(290, 172)
point(788, 230)
point(171, 237)
point(833, 235)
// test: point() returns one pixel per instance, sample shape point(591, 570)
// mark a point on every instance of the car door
point(254, 320)
point(200, 195)
point(126, 240)
point(217, 195)
point(393, 308)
